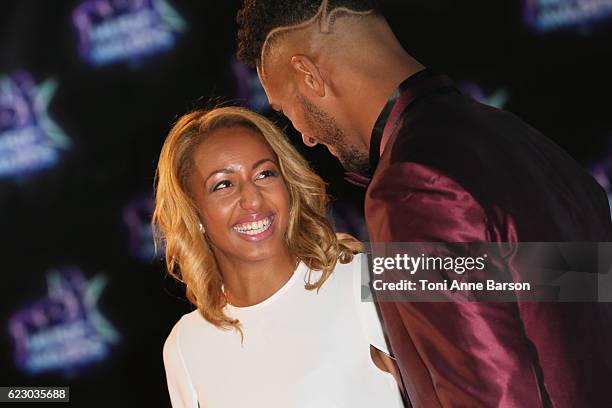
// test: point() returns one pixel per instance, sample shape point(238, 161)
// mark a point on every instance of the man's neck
point(395, 72)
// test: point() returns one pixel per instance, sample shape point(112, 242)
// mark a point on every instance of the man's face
point(316, 125)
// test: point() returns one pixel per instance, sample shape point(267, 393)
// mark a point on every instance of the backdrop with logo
point(88, 91)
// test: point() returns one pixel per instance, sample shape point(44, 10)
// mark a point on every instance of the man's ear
point(308, 73)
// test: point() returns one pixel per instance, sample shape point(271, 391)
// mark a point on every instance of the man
point(446, 169)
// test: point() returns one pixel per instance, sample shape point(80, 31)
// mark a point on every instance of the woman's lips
point(255, 230)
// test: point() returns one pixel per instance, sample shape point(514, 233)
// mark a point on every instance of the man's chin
point(333, 152)
point(362, 168)
point(351, 162)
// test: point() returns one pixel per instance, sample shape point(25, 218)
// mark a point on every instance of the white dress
point(301, 349)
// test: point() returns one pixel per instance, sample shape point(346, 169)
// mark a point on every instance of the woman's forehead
point(236, 145)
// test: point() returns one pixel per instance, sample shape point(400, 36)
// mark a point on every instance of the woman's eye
point(221, 185)
point(265, 174)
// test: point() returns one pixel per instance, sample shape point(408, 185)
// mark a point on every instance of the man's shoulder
point(469, 142)
point(505, 165)
point(449, 125)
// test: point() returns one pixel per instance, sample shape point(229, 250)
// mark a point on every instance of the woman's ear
point(308, 74)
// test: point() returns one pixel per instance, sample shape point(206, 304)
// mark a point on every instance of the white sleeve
point(180, 387)
point(366, 309)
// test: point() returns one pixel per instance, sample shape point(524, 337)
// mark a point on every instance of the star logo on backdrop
point(64, 330)
point(125, 30)
point(30, 140)
point(551, 15)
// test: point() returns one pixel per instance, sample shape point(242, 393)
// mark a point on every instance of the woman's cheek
point(216, 210)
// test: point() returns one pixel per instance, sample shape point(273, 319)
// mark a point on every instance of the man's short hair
point(257, 18)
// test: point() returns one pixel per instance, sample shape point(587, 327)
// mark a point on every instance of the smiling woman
point(243, 203)
point(243, 219)
point(203, 154)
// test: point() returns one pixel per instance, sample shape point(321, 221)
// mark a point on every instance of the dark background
point(117, 116)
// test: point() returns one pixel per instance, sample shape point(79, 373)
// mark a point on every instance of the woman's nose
point(251, 198)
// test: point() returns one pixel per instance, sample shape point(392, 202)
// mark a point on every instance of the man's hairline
point(325, 27)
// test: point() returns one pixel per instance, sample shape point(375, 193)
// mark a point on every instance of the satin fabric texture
point(455, 170)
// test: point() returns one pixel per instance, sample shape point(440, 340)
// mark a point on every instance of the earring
point(202, 230)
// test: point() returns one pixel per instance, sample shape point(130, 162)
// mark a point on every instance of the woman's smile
point(257, 230)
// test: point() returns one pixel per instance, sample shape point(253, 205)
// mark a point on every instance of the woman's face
point(241, 196)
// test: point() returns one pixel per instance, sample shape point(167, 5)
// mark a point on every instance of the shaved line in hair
point(326, 21)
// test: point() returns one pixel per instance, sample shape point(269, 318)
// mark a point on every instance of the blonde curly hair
point(189, 257)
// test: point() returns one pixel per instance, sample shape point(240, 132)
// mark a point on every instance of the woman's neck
point(247, 283)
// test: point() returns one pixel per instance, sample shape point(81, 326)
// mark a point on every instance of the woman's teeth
point(254, 228)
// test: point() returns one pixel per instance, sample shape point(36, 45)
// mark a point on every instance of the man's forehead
point(275, 57)
point(272, 77)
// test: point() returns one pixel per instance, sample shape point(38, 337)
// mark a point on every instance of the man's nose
point(250, 197)
point(309, 141)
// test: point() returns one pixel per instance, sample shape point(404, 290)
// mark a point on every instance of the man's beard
point(327, 131)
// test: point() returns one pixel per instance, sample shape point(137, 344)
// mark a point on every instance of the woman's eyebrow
point(223, 171)
point(262, 161)
point(229, 170)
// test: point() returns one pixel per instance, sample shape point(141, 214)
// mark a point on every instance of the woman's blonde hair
point(189, 257)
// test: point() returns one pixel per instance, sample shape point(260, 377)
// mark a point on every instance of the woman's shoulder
point(354, 263)
point(351, 269)
point(184, 324)
point(188, 335)
point(345, 276)
point(190, 325)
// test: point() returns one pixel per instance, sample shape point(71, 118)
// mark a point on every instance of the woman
point(279, 321)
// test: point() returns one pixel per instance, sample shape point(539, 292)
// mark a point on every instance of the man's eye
point(265, 174)
point(221, 185)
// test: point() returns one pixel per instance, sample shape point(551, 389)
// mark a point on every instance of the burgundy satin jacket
point(454, 170)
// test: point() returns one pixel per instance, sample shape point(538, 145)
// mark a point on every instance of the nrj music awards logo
point(125, 30)
point(29, 140)
point(548, 15)
point(65, 329)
